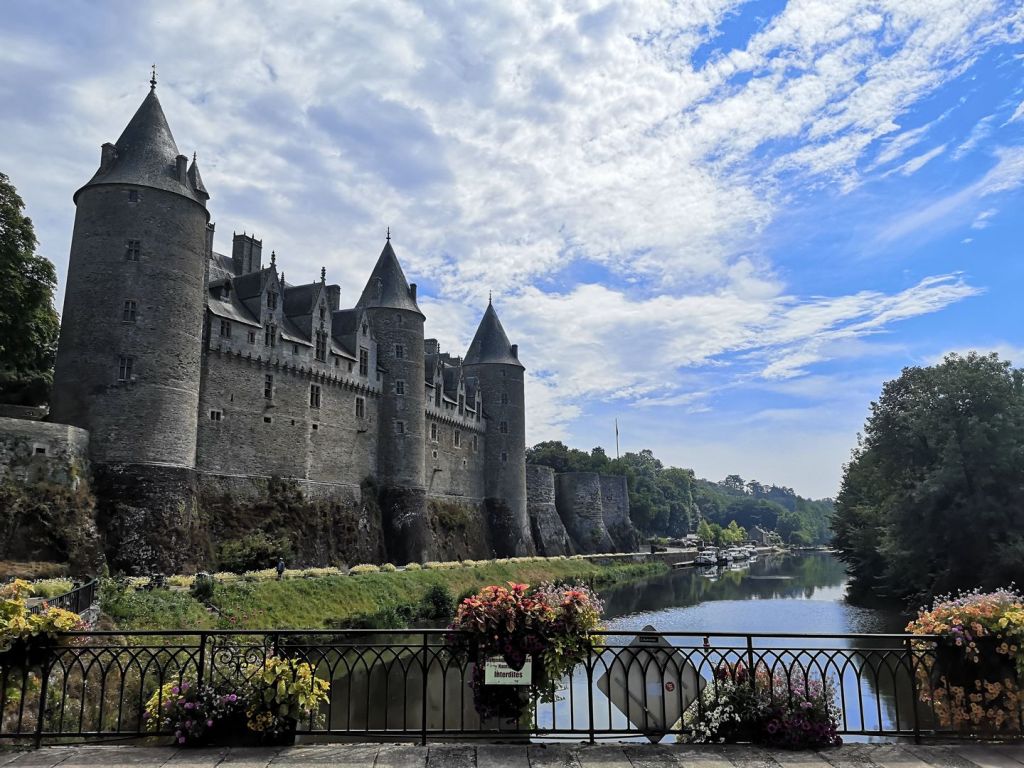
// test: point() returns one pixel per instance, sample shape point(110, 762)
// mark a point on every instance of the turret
point(390, 303)
point(495, 364)
point(128, 360)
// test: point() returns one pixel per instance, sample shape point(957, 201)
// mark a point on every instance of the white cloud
point(981, 131)
point(916, 163)
point(1018, 114)
point(983, 219)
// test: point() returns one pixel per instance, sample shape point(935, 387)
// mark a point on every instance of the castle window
point(350, 367)
point(316, 427)
point(225, 293)
point(295, 349)
point(462, 404)
point(321, 346)
point(216, 415)
point(337, 362)
point(474, 444)
point(437, 395)
point(40, 450)
point(364, 361)
point(268, 387)
point(399, 427)
point(272, 300)
point(133, 195)
point(503, 427)
point(504, 457)
point(252, 337)
point(268, 419)
point(314, 395)
point(360, 408)
point(270, 335)
point(323, 313)
point(132, 249)
point(129, 311)
point(464, 463)
point(399, 387)
point(457, 439)
point(365, 328)
point(125, 365)
point(433, 431)
point(434, 454)
point(225, 329)
point(504, 398)
point(399, 351)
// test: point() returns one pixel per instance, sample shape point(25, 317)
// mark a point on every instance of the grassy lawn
point(337, 601)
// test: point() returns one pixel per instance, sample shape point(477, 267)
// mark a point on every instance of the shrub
point(285, 689)
point(388, 568)
point(413, 567)
point(226, 577)
point(47, 588)
point(437, 603)
point(355, 570)
point(179, 580)
point(202, 587)
point(252, 552)
point(22, 631)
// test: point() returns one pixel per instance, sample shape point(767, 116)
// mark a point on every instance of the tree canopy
point(672, 501)
point(930, 501)
point(28, 321)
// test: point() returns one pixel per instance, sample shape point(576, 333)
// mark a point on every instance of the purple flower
point(189, 705)
point(209, 723)
point(175, 690)
point(181, 739)
point(232, 698)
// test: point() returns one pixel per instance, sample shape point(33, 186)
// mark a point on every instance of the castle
point(201, 379)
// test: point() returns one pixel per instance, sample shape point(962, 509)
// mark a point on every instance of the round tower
point(390, 303)
point(128, 358)
point(495, 364)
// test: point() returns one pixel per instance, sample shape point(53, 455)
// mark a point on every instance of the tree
point(704, 532)
point(28, 321)
point(930, 501)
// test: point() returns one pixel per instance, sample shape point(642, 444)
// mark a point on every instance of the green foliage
point(252, 552)
point(450, 516)
point(48, 588)
point(28, 321)
point(372, 600)
point(930, 501)
point(202, 588)
point(438, 603)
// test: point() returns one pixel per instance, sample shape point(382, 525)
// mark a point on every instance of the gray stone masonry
point(579, 503)
point(549, 532)
point(615, 507)
point(37, 451)
point(887, 755)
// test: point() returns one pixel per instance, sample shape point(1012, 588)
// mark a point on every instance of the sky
point(724, 224)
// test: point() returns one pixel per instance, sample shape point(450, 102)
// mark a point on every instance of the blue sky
point(723, 223)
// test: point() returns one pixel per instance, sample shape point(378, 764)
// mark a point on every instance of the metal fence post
point(202, 660)
point(750, 660)
point(590, 690)
point(43, 692)
point(913, 690)
point(423, 694)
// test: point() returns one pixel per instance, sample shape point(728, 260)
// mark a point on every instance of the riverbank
point(533, 756)
point(386, 599)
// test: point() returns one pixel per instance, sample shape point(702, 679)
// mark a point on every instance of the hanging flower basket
point(548, 628)
point(971, 679)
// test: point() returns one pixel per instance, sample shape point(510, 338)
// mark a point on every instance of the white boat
point(738, 553)
point(707, 556)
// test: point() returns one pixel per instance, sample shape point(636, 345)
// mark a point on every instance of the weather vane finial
point(488, 298)
point(152, 79)
point(389, 234)
point(323, 274)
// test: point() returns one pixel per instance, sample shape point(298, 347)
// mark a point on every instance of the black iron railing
point(78, 600)
point(406, 684)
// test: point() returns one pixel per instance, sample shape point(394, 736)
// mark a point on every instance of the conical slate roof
point(387, 286)
point(196, 180)
point(147, 154)
point(491, 344)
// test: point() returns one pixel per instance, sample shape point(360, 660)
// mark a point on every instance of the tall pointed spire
point(152, 79)
point(387, 286)
point(491, 344)
point(145, 154)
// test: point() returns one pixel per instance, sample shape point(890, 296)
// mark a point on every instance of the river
point(776, 593)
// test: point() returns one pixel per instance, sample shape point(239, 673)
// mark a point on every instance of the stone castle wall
point(41, 452)
point(549, 532)
point(579, 502)
point(615, 509)
point(283, 435)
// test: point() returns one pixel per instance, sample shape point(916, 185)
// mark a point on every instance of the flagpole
point(616, 438)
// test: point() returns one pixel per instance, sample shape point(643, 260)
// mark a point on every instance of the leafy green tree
point(28, 321)
point(704, 532)
point(930, 501)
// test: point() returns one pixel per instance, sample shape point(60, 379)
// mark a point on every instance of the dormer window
point(364, 361)
point(225, 293)
point(323, 313)
point(270, 335)
point(462, 403)
point(225, 329)
point(272, 300)
point(321, 345)
point(366, 328)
